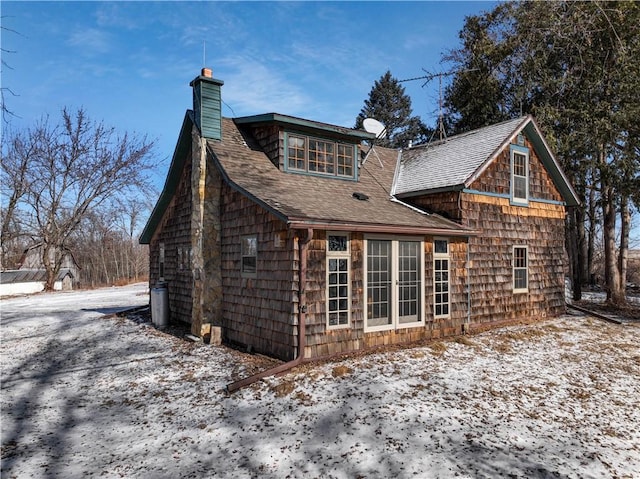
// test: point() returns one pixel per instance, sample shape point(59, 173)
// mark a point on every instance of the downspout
point(302, 316)
point(467, 324)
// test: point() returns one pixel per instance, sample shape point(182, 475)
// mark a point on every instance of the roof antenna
point(430, 76)
point(371, 125)
point(204, 53)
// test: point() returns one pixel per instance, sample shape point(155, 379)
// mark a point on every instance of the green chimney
point(207, 105)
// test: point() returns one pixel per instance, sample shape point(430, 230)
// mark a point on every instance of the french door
point(394, 288)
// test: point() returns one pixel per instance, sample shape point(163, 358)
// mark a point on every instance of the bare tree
point(4, 90)
point(71, 168)
point(17, 154)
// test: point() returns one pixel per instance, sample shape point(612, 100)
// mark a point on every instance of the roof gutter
point(302, 317)
point(380, 228)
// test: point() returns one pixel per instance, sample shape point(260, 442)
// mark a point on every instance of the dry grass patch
point(340, 371)
point(303, 398)
point(464, 340)
point(523, 334)
point(438, 348)
point(416, 354)
point(503, 347)
point(283, 388)
point(554, 328)
point(581, 394)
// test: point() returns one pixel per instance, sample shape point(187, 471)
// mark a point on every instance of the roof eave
point(551, 164)
point(173, 177)
point(507, 141)
point(442, 189)
point(531, 128)
point(303, 223)
point(295, 122)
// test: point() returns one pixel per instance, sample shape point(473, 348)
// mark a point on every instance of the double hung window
point(519, 175)
point(520, 269)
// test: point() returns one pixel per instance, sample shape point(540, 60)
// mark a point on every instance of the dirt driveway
point(89, 396)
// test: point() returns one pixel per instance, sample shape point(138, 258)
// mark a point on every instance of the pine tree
point(389, 104)
point(573, 65)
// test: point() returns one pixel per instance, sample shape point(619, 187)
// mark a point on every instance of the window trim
point(161, 261)
point(243, 273)
point(393, 300)
point(441, 256)
point(336, 144)
point(524, 151)
point(338, 255)
point(514, 268)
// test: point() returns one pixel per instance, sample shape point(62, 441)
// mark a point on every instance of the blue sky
point(130, 63)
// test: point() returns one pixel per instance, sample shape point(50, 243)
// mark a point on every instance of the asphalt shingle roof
point(314, 199)
point(453, 161)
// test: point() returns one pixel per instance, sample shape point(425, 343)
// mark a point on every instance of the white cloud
point(91, 41)
point(251, 87)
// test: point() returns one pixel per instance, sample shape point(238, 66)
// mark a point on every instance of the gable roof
point(30, 275)
point(314, 201)
point(453, 164)
point(180, 153)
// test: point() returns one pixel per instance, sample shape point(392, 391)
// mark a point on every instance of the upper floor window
point(519, 175)
point(312, 155)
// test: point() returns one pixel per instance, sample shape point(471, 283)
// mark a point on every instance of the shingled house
point(290, 237)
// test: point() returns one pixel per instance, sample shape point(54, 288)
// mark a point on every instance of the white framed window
point(338, 281)
point(520, 269)
point(441, 290)
point(519, 175)
point(394, 284)
point(321, 157)
point(249, 253)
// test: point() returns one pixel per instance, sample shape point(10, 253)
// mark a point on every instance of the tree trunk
point(591, 238)
point(49, 267)
point(625, 226)
point(615, 294)
point(571, 241)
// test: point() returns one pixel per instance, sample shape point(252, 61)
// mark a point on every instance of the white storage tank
point(160, 305)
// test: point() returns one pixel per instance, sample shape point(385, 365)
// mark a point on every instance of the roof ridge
point(470, 132)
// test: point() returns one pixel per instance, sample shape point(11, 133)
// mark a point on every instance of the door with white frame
point(394, 289)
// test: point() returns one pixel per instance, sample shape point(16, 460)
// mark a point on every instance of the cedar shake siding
point(322, 341)
point(538, 226)
point(270, 139)
point(485, 206)
point(405, 246)
point(259, 312)
point(175, 232)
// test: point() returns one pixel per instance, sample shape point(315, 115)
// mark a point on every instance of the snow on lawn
point(84, 395)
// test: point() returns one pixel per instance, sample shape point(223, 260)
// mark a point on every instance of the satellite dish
point(372, 125)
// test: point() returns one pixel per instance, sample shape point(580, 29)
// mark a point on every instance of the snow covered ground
point(89, 396)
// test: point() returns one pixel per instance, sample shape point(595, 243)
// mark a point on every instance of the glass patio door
point(394, 283)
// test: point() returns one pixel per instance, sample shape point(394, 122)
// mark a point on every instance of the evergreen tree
point(573, 65)
point(389, 104)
